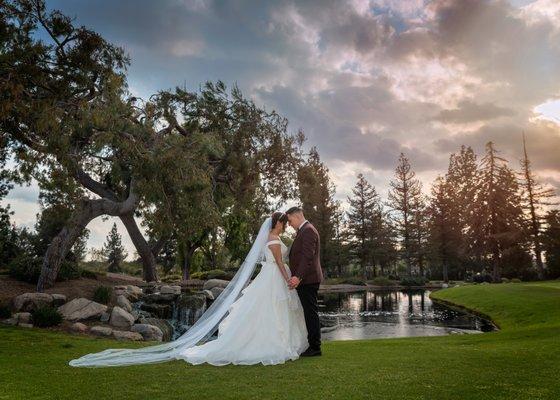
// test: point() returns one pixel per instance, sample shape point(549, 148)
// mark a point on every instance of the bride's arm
point(277, 253)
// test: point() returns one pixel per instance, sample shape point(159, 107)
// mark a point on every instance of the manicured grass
point(522, 361)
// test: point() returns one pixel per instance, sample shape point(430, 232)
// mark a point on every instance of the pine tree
point(316, 192)
point(114, 250)
point(551, 244)
point(534, 197)
point(363, 221)
point(498, 214)
point(405, 201)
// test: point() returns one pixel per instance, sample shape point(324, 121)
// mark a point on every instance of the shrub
point(46, 316)
point(505, 280)
point(86, 273)
point(102, 294)
point(382, 281)
point(5, 311)
point(26, 268)
point(353, 280)
point(413, 281)
point(212, 274)
point(516, 280)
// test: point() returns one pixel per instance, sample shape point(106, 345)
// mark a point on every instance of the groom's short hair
point(293, 210)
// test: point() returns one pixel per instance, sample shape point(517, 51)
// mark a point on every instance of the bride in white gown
point(257, 322)
point(266, 324)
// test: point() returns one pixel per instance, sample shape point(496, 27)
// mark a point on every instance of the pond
point(389, 314)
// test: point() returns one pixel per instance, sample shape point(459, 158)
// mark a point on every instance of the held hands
point(293, 282)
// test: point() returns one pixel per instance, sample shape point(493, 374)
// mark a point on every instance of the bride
point(257, 322)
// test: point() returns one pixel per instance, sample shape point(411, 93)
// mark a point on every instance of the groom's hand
point(294, 282)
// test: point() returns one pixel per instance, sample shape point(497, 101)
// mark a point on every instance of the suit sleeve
point(308, 249)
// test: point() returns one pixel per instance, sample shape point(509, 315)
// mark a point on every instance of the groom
point(306, 275)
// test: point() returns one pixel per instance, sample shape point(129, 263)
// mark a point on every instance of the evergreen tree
point(316, 193)
point(405, 201)
point(551, 244)
point(114, 250)
point(363, 222)
point(498, 214)
point(534, 198)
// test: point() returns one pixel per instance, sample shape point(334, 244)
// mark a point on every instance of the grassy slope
point(520, 362)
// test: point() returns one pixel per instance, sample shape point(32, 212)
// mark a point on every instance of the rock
point(444, 285)
point(78, 327)
point(81, 308)
point(148, 332)
point(105, 317)
point(167, 289)
point(101, 330)
point(32, 301)
point(26, 325)
point(216, 291)
point(22, 317)
point(58, 299)
point(134, 289)
point(164, 326)
point(121, 318)
point(209, 295)
point(10, 321)
point(211, 283)
point(123, 303)
point(160, 298)
point(126, 335)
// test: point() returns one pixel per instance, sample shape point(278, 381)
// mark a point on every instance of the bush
point(46, 316)
point(516, 280)
point(413, 281)
point(5, 311)
point(86, 273)
point(353, 280)
point(505, 280)
point(102, 294)
point(26, 268)
point(382, 281)
point(212, 274)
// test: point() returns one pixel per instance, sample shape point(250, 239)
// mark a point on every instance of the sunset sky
point(365, 80)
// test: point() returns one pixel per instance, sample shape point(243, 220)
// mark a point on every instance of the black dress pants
point(308, 296)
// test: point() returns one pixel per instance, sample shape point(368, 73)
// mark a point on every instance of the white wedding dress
point(265, 325)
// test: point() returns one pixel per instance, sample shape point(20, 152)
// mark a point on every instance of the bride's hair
point(279, 216)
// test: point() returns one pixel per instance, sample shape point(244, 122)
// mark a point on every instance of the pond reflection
point(384, 314)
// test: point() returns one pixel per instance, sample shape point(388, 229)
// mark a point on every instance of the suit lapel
point(297, 234)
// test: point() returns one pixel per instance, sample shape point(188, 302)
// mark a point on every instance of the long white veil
point(201, 330)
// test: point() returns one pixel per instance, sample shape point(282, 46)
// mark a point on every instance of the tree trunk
point(187, 262)
point(144, 250)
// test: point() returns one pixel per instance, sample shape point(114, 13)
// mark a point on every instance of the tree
point(534, 198)
point(364, 218)
point(316, 193)
point(498, 214)
point(113, 250)
point(444, 229)
point(551, 244)
point(68, 116)
point(405, 200)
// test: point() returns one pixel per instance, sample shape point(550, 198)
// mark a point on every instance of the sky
point(364, 79)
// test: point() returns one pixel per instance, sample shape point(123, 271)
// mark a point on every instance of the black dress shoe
point(311, 352)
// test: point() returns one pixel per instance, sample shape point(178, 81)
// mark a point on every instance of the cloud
point(468, 111)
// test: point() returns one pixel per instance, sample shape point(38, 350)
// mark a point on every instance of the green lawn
point(522, 361)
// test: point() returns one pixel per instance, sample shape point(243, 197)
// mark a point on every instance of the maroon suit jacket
point(305, 254)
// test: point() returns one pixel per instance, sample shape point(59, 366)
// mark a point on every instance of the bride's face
point(279, 227)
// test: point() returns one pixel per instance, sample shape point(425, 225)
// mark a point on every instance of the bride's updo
point(279, 216)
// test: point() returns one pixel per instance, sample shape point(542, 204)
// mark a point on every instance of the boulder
point(164, 326)
point(58, 299)
point(105, 317)
point(26, 325)
point(211, 283)
point(10, 321)
point(209, 295)
point(22, 317)
point(101, 331)
point(164, 311)
point(81, 309)
point(121, 318)
point(170, 289)
point(148, 332)
point(78, 327)
point(32, 301)
point(160, 298)
point(126, 335)
point(123, 303)
point(216, 291)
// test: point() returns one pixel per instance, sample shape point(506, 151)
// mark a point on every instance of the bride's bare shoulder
point(272, 237)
